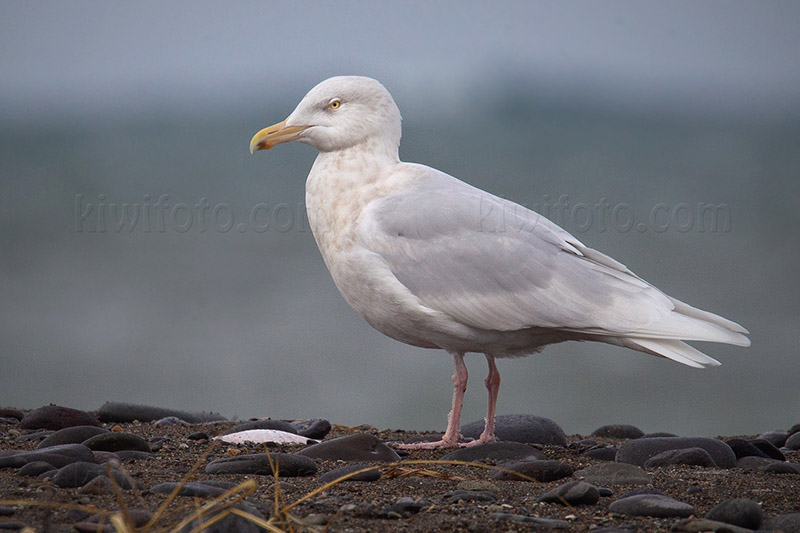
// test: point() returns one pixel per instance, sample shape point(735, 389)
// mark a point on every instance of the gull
point(434, 262)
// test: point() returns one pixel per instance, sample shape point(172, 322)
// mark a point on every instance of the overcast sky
point(730, 55)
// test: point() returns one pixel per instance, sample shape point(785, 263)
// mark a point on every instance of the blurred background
point(148, 257)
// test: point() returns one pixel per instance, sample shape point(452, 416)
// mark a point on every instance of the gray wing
point(492, 264)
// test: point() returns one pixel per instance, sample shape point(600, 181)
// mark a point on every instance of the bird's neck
point(368, 155)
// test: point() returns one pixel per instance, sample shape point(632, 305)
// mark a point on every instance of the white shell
point(261, 436)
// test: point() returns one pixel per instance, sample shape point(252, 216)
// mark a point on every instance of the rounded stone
point(56, 417)
point(740, 512)
point(316, 428)
point(602, 453)
point(529, 429)
point(126, 412)
point(768, 449)
point(71, 435)
point(289, 465)
point(469, 496)
point(787, 523)
point(35, 468)
point(572, 493)
point(638, 451)
point(358, 447)
point(793, 442)
point(743, 448)
point(57, 456)
point(685, 456)
point(540, 470)
point(614, 474)
point(651, 505)
point(776, 437)
point(618, 431)
point(115, 441)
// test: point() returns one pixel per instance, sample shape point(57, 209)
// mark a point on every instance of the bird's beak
point(275, 134)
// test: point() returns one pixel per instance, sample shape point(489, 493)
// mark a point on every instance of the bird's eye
point(335, 104)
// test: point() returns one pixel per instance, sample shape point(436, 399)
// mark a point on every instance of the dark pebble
point(768, 449)
point(71, 435)
point(793, 442)
point(572, 493)
point(685, 456)
point(787, 523)
point(618, 431)
point(370, 475)
point(469, 496)
point(529, 429)
point(115, 441)
point(280, 425)
point(638, 451)
point(605, 492)
point(660, 434)
point(777, 437)
point(744, 448)
point(602, 453)
point(794, 429)
point(8, 420)
point(12, 413)
point(7, 511)
point(35, 468)
point(57, 456)
point(740, 512)
point(200, 435)
point(540, 470)
point(35, 435)
point(80, 473)
point(230, 523)
point(543, 523)
point(406, 506)
point(11, 526)
point(55, 417)
point(495, 451)
point(358, 447)
point(289, 465)
point(583, 443)
point(125, 412)
point(614, 474)
point(316, 428)
point(751, 462)
point(651, 505)
point(781, 468)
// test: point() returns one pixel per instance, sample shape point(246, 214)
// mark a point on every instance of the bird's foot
point(483, 439)
point(445, 443)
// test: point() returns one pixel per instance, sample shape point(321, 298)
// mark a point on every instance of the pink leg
point(451, 435)
point(492, 382)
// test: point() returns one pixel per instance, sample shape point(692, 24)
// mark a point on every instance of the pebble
point(602, 453)
point(638, 451)
point(78, 474)
point(36, 435)
point(406, 506)
point(542, 523)
point(6, 510)
point(787, 523)
point(56, 417)
point(793, 442)
point(126, 456)
point(280, 425)
point(651, 505)
point(685, 456)
point(35, 468)
point(768, 449)
point(540, 470)
point(316, 428)
point(614, 474)
point(744, 448)
point(495, 451)
point(520, 428)
point(370, 475)
point(358, 447)
point(740, 512)
point(572, 493)
point(289, 465)
point(618, 431)
point(116, 442)
point(776, 437)
point(57, 456)
point(126, 412)
point(199, 435)
point(778, 467)
point(704, 525)
point(11, 526)
point(16, 414)
point(230, 523)
point(99, 486)
point(71, 435)
point(469, 496)
point(751, 462)
point(9, 420)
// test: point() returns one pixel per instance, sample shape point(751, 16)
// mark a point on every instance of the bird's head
point(337, 114)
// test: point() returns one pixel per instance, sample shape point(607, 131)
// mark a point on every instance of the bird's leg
point(492, 382)
point(451, 435)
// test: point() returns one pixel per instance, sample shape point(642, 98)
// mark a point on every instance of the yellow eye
point(335, 104)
